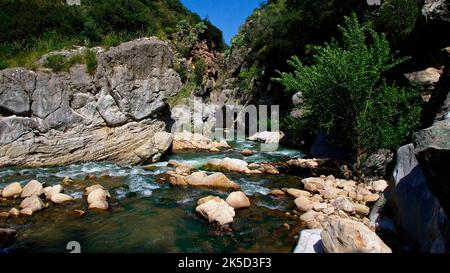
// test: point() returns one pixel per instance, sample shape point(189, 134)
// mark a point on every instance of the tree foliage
point(346, 95)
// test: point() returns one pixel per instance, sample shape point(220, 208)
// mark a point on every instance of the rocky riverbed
point(139, 209)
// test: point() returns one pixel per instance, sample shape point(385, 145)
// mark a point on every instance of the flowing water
point(149, 216)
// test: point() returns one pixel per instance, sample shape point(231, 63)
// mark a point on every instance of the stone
point(342, 203)
point(92, 188)
point(7, 236)
point(207, 199)
point(238, 200)
point(425, 77)
point(297, 193)
point(304, 163)
point(313, 184)
point(310, 242)
point(59, 198)
point(26, 212)
point(97, 195)
point(379, 185)
point(52, 190)
point(246, 152)
point(320, 206)
point(277, 192)
point(216, 210)
point(267, 137)
point(361, 209)
point(330, 193)
point(376, 164)
point(67, 181)
point(4, 214)
point(312, 219)
point(230, 164)
point(215, 180)
point(117, 115)
point(297, 98)
point(303, 204)
point(371, 198)
point(14, 212)
point(33, 187)
point(348, 236)
point(12, 190)
point(268, 168)
point(99, 205)
point(33, 202)
point(186, 140)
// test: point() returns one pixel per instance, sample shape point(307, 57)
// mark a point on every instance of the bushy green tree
point(346, 95)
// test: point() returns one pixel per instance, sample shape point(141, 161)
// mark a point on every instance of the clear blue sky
point(227, 15)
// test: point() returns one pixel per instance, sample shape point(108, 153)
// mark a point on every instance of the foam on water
point(141, 185)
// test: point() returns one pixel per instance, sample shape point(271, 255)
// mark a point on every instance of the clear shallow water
point(147, 216)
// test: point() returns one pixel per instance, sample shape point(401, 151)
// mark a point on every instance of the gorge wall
point(49, 118)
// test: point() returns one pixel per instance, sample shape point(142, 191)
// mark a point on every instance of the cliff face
point(67, 117)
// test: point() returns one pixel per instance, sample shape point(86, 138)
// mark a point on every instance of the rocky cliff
point(49, 118)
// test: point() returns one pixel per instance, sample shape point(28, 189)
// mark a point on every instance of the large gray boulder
point(418, 214)
point(49, 118)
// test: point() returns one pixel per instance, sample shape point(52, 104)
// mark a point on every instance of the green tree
point(346, 95)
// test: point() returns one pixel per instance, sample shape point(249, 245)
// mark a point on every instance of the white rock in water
point(216, 210)
point(59, 198)
point(267, 137)
point(49, 191)
point(11, 190)
point(33, 187)
point(33, 202)
point(310, 242)
point(349, 236)
point(90, 189)
point(97, 195)
point(99, 205)
point(238, 200)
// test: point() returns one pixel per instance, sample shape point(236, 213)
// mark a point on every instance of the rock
point(82, 212)
point(342, 203)
point(246, 152)
point(207, 199)
point(186, 140)
point(376, 164)
point(33, 202)
point(330, 193)
point(26, 212)
point(436, 10)
point(362, 210)
point(216, 180)
point(92, 188)
point(313, 184)
point(180, 168)
point(310, 242)
point(50, 191)
point(418, 215)
point(59, 198)
point(7, 236)
point(297, 193)
point(425, 77)
point(277, 192)
point(230, 164)
point(99, 205)
point(379, 185)
point(12, 190)
point(297, 98)
point(348, 236)
point(304, 163)
point(216, 210)
point(238, 200)
point(67, 181)
point(371, 198)
point(267, 137)
point(320, 206)
point(432, 150)
point(33, 187)
point(115, 115)
point(176, 179)
point(4, 214)
point(268, 168)
point(97, 195)
point(312, 219)
point(303, 204)
point(14, 212)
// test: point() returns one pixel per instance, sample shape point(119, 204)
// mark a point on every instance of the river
point(149, 216)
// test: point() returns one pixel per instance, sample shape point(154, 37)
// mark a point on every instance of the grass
point(58, 63)
point(184, 93)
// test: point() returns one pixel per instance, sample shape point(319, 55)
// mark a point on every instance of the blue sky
point(228, 15)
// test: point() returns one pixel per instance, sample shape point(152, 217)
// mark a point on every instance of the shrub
point(346, 95)
point(55, 62)
point(90, 59)
point(199, 71)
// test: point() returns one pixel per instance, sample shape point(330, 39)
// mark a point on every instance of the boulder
point(376, 164)
point(379, 185)
point(246, 152)
point(277, 192)
point(14, 212)
point(297, 193)
point(186, 140)
point(33, 202)
point(230, 164)
point(216, 210)
point(303, 204)
point(26, 212)
point(267, 137)
point(268, 168)
point(313, 184)
point(97, 195)
point(342, 203)
point(313, 219)
point(92, 188)
point(215, 180)
point(303, 163)
point(52, 190)
point(33, 187)
point(59, 198)
point(99, 205)
point(238, 200)
point(12, 190)
point(310, 242)
point(428, 76)
point(348, 236)
point(361, 209)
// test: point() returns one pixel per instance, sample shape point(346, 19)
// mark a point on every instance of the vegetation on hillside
point(346, 95)
point(31, 28)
